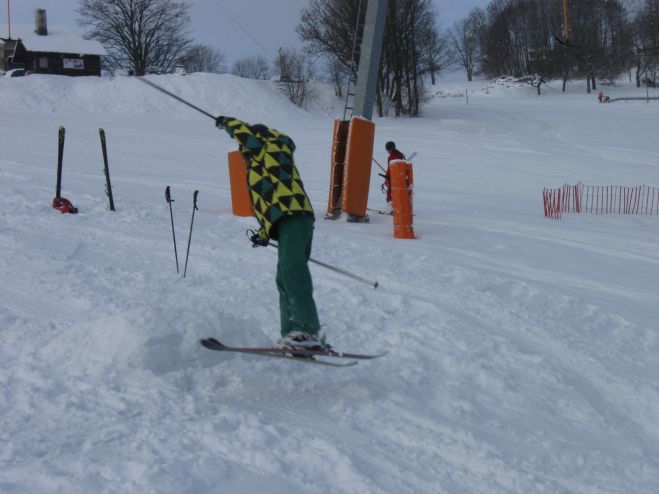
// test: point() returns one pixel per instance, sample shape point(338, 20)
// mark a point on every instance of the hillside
point(523, 352)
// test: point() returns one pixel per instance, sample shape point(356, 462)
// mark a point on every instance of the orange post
point(402, 184)
point(241, 202)
point(357, 173)
point(339, 141)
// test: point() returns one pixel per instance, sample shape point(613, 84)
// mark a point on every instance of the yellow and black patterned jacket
point(273, 179)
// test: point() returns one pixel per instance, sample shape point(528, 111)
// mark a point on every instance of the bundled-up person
point(394, 154)
point(284, 213)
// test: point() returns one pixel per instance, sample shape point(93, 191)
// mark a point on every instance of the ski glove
point(258, 239)
point(220, 121)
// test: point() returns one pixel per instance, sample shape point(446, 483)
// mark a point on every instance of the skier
point(394, 154)
point(284, 213)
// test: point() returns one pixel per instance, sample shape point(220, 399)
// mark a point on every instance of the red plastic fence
point(600, 199)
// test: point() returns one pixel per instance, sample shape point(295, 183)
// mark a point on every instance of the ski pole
point(379, 165)
point(169, 200)
point(411, 156)
point(374, 284)
point(178, 98)
point(194, 208)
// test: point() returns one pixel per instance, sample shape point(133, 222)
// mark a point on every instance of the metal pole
point(194, 208)
point(8, 19)
point(169, 200)
point(369, 58)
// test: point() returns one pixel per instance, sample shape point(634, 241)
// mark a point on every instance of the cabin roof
point(59, 39)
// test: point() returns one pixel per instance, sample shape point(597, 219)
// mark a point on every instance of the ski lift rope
point(241, 27)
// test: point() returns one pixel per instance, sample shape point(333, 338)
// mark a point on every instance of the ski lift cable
point(216, 2)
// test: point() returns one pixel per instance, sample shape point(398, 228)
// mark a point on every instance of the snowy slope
point(523, 351)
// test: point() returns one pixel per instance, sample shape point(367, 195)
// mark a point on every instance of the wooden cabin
point(41, 49)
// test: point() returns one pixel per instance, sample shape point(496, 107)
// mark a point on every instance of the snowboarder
point(284, 213)
point(394, 154)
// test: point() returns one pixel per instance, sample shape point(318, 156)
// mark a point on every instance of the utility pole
point(369, 59)
point(8, 20)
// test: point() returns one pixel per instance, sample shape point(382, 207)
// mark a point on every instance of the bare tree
point(412, 48)
point(435, 54)
point(203, 58)
point(646, 42)
point(522, 38)
point(337, 74)
point(138, 33)
point(294, 74)
point(464, 41)
point(254, 67)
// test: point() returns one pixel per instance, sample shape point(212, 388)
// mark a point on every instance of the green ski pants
point(296, 305)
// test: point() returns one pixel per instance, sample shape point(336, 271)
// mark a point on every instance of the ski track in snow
point(522, 351)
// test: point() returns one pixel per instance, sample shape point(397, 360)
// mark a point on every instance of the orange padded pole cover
point(339, 142)
point(402, 182)
point(357, 172)
point(241, 203)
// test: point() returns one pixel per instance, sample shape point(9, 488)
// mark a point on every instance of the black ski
point(60, 158)
point(60, 203)
point(308, 356)
point(108, 186)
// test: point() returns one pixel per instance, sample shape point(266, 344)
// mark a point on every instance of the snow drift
point(523, 351)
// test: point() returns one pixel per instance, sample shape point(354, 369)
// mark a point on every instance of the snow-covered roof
point(59, 39)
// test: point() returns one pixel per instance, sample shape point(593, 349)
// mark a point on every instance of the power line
point(241, 27)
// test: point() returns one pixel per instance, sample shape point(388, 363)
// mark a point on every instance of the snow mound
point(217, 94)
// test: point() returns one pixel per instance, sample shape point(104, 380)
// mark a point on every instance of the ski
point(61, 133)
point(213, 344)
point(62, 204)
point(302, 355)
point(106, 168)
point(380, 211)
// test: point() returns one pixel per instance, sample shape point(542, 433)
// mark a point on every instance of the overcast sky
point(270, 23)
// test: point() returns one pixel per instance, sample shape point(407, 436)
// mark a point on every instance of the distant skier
point(394, 154)
point(602, 98)
point(284, 213)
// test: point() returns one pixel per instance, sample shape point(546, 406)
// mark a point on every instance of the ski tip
point(210, 343)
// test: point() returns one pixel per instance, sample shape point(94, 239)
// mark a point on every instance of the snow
point(59, 39)
point(523, 351)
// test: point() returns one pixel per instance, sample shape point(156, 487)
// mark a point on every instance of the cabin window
point(43, 62)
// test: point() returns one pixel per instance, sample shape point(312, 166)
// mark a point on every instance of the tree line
point(529, 39)
point(140, 35)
